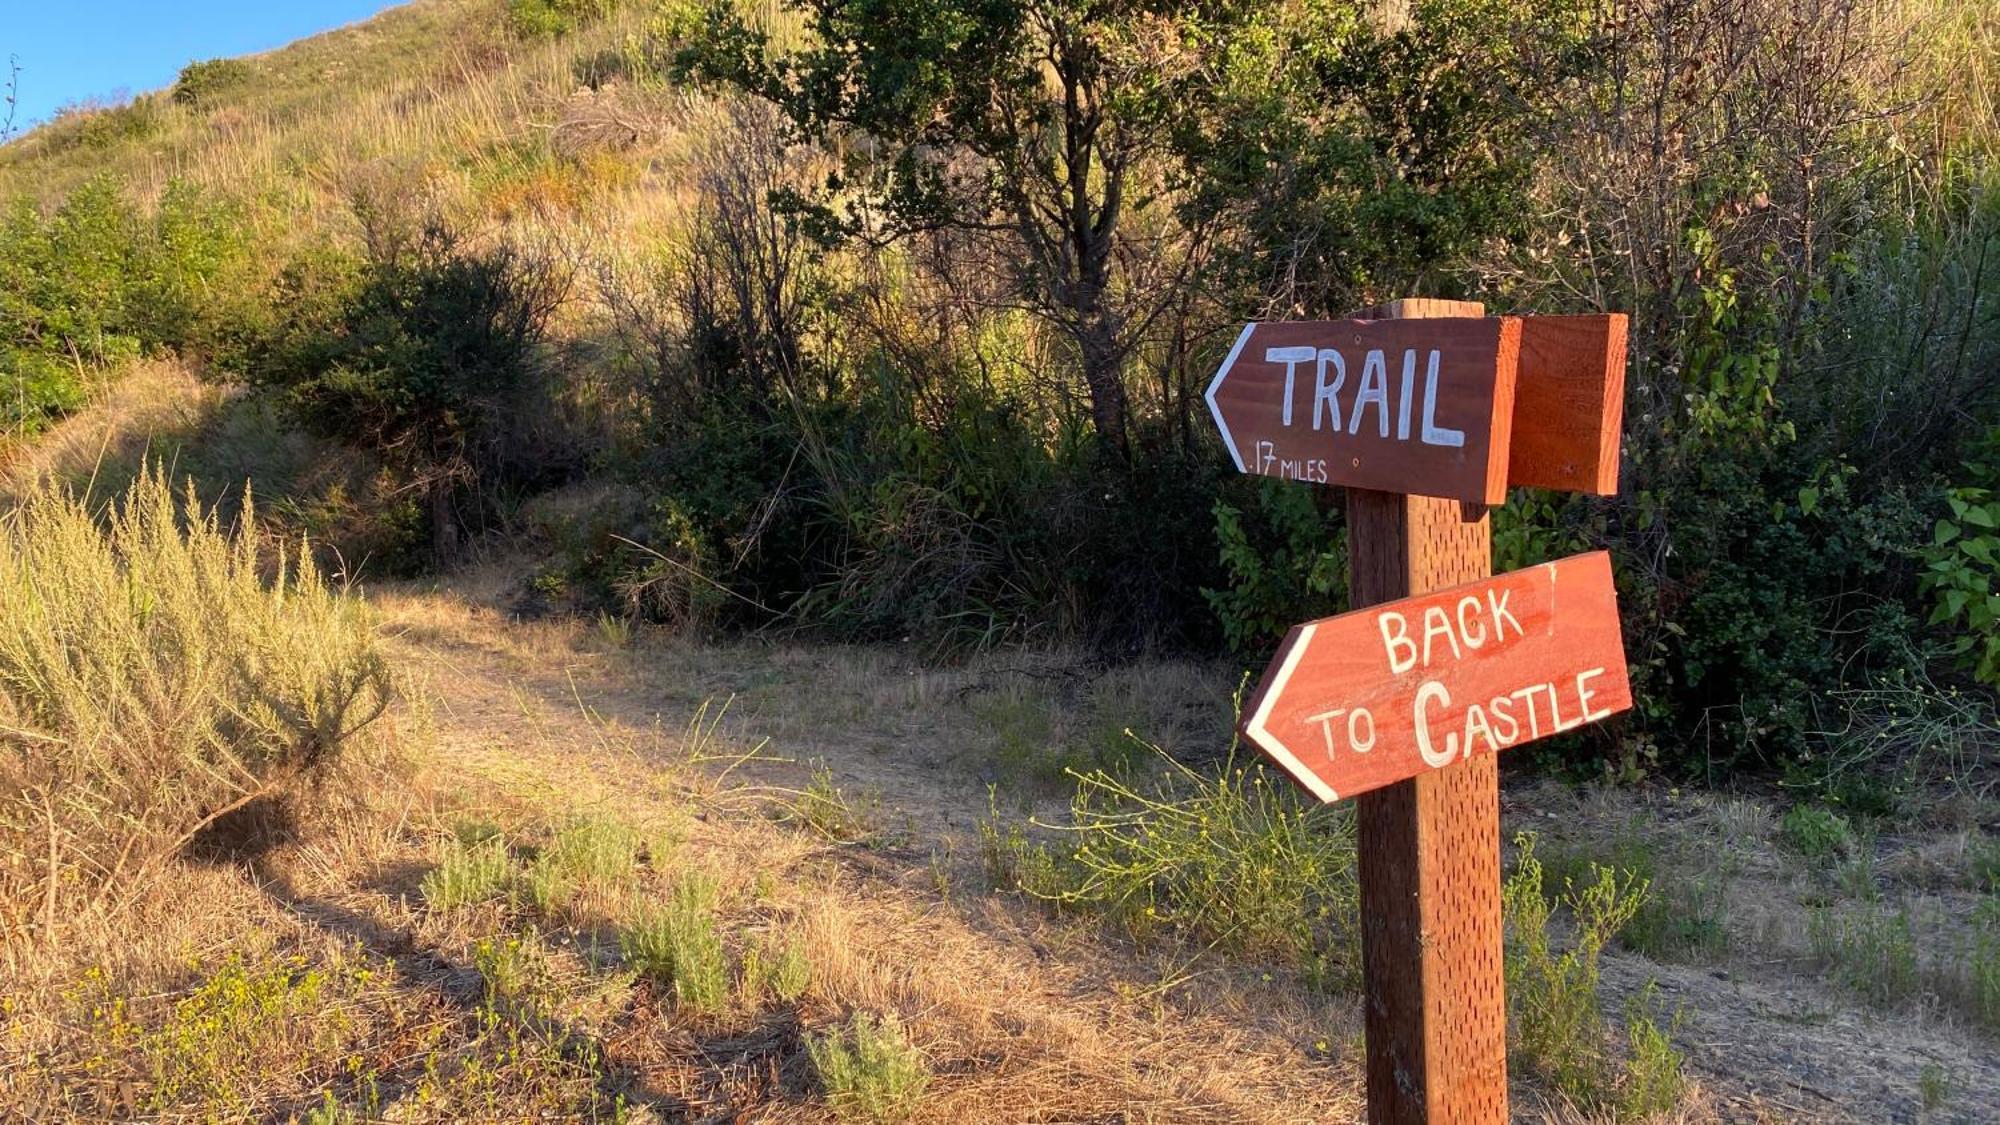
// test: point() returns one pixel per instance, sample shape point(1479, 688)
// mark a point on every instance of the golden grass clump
point(157, 673)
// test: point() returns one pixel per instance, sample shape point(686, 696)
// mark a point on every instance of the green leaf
point(1944, 532)
point(1980, 516)
point(1808, 499)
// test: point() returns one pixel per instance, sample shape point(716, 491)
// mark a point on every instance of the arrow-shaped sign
point(1418, 406)
point(1369, 698)
point(1428, 406)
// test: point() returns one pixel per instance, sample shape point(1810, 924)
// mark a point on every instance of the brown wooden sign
point(1569, 404)
point(1455, 407)
point(1428, 411)
point(1419, 406)
point(1369, 698)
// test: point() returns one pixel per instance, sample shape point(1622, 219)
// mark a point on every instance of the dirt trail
point(538, 702)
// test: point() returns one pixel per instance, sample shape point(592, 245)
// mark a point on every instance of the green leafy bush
point(95, 282)
point(1816, 833)
point(549, 19)
point(1286, 562)
point(1960, 566)
point(428, 352)
point(206, 83)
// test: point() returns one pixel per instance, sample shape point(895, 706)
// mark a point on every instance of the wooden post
point(1436, 1013)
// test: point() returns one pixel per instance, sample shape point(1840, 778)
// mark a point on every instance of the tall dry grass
point(158, 672)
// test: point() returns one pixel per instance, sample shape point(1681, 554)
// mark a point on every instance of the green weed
point(1868, 950)
point(1553, 996)
point(1684, 916)
point(870, 1072)
point(1234, 859)
point(1816, 833)
point(1933, 1087)
point(212, 1048)
point(468, 874)
point(780, 971)
point(591, 855)
point(680, 945)
point(826, 810)
point(1653, 1081)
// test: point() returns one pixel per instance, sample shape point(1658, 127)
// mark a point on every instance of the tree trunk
point(1103, 374)
point(444, 522)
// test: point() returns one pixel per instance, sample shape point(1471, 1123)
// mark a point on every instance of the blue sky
point(70, 50)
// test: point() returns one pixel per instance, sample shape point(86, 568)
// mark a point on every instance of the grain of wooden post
point(1436, 1013)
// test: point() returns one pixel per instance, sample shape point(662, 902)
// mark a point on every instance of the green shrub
point(1960, 566)
point(1653, 1084)
point(1552, 996)
point(428, 353)
point(1816, 833)
point(549, 19)
point(680, 945)
point(207, 83)
point(781, 972)
point(468, 874)
point(95, 282)
point(157, 673)
point(1286, 561)
point(870, 1071)
point(1234, 859)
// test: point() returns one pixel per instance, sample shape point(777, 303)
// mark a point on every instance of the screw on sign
point(1427, 411)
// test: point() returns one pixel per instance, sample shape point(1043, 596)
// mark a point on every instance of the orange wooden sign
point(1416, 406)
point(1569, 404)
point(1382, 694)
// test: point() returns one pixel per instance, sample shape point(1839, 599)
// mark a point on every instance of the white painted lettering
point(1584, 694)
point(1429, 692)
point(1434, 434)
point(1527, 696)
point(1409, 384)
point(1465, 625)
point(1291, 358)
point(1396, 635)
point(1438, 623)
point(1324, 393)
point(1375, 389)
point(1496, 603)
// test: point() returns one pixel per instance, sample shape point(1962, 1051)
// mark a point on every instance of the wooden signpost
point(1427, 411)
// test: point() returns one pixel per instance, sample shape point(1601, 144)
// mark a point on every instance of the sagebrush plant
point(680, 945)
point(870, 1070)
point(775, 969)
point(158, 672)
point(1232, 858)
point(469, 873)
point(594, 855)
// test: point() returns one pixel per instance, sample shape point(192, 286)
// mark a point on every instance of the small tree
point(423, 354)
point(1026, 123)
